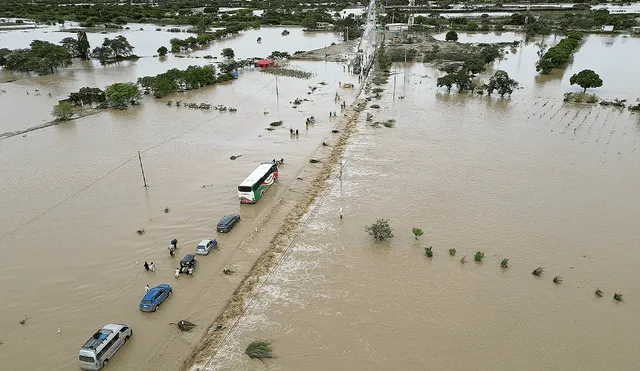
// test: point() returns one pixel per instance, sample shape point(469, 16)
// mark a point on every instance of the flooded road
point(528, 178)
point(72, 201)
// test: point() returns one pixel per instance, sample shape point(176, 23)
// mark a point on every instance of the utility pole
point(142, 168)
point(347, 33)
point(395, 73)
point(277, 94)
point(341, 166)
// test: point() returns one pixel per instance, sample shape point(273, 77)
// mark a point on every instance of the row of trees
point(175, 80)
point(463, 77)
point(42, 57)
point(558, 55)
point(178, 45)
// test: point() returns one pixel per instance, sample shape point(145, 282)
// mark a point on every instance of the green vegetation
point(121, 95)
point(502, 83)
point(586, 79)
point(62, 111)
point(479, 255)
point(175, 80)
point(463, 260)
point(43, 58)
point(87, 95)
point(290, 72)
point(580, 97)
point(277, 55)
point(538, 271)
point(451, 36)
point(417, 232)
point(428, 252)
point(114, 50)
point(259, 350)
point(599, 293)
point(557, 280)
point(380, 230)
point(162, 51)
point(205, 38)
point(618, 296)
point(463, 73)
point(558, 55)
point(505, 263)
point(452, 252)
point(228, 53)
point(79, 47)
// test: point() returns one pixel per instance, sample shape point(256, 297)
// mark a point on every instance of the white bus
point(97, 351)
point(252, 188)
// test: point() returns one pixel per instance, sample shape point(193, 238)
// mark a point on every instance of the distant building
point(264, 63)
point(397, 26)
point(607, 28)
point(323, 26)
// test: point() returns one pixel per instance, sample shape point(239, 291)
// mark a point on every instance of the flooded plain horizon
point(529, 178)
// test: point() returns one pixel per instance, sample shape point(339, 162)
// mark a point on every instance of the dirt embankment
point(333, 53)
point(311, 183)
point(79, 114)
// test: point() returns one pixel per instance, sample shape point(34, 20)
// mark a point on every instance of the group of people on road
point(149, 267)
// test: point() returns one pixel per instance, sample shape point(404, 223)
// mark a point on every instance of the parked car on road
point(103, 345)
point(227, 222)
point(204, 247)
point(189, 261)
point(152, 300)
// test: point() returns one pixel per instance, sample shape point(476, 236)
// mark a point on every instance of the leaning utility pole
point(142, 168)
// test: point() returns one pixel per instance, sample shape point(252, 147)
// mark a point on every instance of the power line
point(30, 221)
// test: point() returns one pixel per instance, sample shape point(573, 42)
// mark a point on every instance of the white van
point(99, 349)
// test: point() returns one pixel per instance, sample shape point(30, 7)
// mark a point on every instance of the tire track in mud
point(236, 304)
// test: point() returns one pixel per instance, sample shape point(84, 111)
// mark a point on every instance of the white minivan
point(99, 349)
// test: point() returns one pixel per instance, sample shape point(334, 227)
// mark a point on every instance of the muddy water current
point(72, 200)
point(530, 178)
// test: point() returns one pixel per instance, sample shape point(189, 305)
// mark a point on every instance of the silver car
point(204, 247)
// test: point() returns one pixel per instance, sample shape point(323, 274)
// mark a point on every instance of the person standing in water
point(147, 288)
point(146, 266)
point(152, 267)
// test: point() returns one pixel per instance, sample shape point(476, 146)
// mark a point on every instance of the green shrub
point(428, 251)
point(618, 296)
point(452, 252)
point(557, 280)
point(538, 271)
point(380, 230)
point(259, 349)
point(505, 263)
point(417, 232)
point(599, 293)
point(478, 256)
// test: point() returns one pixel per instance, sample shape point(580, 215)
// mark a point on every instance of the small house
point(264, 63)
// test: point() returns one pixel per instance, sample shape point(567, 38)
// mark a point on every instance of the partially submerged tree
point(451, 36)
point(478, 256)
point(62, 111)
point(557, 280)
point(502, 83)
point(586, 79)
point(452, 252)
point(228, 53)
point(380, 230)
point(505, 263)
point(538, 271)
point(259, 350)
point(417, 232)
point(618, 296)
point(120, 95)
point(428, 251)
point(599, 293)
point(162, 51)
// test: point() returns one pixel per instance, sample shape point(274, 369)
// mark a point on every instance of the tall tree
point(586, 79)
point(120, 95)
point(451, 36)
point(83, 47)
point(502, 83)
point(45, 57)
point(162, 51)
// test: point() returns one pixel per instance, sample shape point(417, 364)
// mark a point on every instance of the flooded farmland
point(528, 178)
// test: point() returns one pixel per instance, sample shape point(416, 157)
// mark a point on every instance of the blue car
point(152, 300)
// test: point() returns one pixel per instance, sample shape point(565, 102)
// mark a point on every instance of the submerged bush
point(452, 252)
point(478, 256)
point(599, 293)
point(463, 259)
point(505, 263)
point(428, 252)
point(538, 271)
point(380, 230)
point(557, 279)
point(618, 296)
point(417, 232)
point(259, 349)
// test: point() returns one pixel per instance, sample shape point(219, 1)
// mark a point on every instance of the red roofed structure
point(264, 63)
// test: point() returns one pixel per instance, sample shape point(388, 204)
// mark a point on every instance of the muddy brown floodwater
point(528, 178)
point(72, 200)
